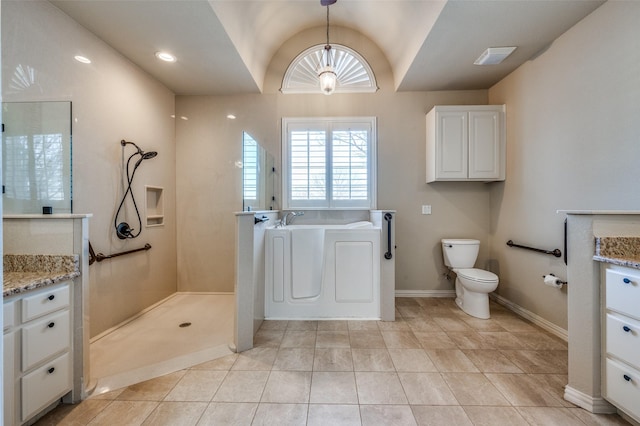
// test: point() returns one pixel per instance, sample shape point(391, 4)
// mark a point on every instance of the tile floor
point(433, 366)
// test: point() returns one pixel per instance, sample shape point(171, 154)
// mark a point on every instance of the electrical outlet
point(426, 209)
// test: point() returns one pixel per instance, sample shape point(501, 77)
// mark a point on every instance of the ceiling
point(225, 46)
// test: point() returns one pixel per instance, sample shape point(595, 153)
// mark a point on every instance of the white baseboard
point(597, 405)
point(536, 319)
point(425, 293)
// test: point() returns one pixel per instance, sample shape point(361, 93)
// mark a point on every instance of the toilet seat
point(478, 275)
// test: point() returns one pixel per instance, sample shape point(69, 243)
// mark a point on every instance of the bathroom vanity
point(38, 349)
point(44, 312)
point(599, 307)
point(620, 290)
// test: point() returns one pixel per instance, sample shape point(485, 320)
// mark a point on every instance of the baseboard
point(425, 293)
point(597, 405)
point(536, 319)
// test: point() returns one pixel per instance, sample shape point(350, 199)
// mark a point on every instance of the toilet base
point(459, 301)
point(474, 304)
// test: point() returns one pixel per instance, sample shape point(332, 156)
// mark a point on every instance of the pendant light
point(327, 74)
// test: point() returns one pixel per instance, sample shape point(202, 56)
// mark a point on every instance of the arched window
point(353, 72)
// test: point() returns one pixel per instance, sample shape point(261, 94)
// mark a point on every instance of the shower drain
point(185, 324)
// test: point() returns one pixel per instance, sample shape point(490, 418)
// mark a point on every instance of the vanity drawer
point(44, 338)
point(44, 385)
point(623, 291)
point(623, 387)
point(9, 315)
point(623, 338)
point(45, 302)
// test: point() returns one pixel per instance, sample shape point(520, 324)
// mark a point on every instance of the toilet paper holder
point(557, 280)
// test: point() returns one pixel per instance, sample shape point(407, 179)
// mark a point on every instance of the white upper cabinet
point(466, 143)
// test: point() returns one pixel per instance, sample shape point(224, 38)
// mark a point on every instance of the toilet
point(472, 285)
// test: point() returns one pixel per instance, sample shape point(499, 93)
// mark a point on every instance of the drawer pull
point(626, 329)
point(51, 324)
point(52, 369)
point(51, 297)
point(626, 280)
point(627, 378)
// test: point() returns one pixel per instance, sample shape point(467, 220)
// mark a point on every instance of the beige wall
point(112, 100)
point(209, 184)
point(572, 143)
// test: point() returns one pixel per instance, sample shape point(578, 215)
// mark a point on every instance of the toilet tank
point(460, 253)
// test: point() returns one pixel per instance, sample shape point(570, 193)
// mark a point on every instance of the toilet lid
point(477, 275)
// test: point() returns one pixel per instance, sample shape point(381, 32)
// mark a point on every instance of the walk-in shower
point(123, 230)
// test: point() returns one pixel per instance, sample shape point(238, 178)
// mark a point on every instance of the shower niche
point(154, 212)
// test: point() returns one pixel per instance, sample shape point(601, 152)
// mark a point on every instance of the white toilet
point(472, 285)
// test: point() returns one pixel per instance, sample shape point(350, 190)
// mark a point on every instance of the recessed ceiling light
point(231, 117)
point(494, 55)
point(164, 56)
point(82, 59)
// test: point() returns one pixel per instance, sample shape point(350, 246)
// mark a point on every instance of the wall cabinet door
point(484, 145)
point(465, 143)
point(451, 148)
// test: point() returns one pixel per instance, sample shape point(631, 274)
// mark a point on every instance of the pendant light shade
point(327, 75)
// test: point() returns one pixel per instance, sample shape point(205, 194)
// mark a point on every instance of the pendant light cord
point(328, 46)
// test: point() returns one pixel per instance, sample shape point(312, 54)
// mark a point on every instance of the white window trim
point(328, 122)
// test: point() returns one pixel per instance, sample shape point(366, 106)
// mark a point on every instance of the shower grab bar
point(93, 257)
point(388, 217)
point(556, 252)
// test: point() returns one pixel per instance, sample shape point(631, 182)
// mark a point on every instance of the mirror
point(258, 176)
point(36, 157)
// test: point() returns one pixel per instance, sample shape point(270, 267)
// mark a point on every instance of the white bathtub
point(323, 271)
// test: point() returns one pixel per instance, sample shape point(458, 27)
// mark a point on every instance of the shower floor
point(154, 343)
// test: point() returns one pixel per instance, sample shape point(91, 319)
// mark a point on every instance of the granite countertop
point(623, 251)
point(24, 272)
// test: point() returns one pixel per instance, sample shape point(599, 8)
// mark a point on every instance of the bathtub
point(323, 271)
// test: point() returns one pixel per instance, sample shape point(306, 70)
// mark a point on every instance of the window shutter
point(308, 165)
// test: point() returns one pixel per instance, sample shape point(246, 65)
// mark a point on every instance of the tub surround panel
point(112, 100)
point(623, 251)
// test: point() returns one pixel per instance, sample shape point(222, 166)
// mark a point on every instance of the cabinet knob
point(51, 370)
point(626, 329)
point(51, 324)
point(51, 297)
point(626, 280)
point(627, 378)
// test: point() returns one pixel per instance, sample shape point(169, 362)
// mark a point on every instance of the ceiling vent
point(494, 55)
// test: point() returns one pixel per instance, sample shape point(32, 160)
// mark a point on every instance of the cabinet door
point(484, 145)
point(451, 145)
point(9, 378)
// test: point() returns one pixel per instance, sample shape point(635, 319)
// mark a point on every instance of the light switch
point(426, 209)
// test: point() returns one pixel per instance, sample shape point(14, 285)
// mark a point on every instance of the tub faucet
point(286, 221)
